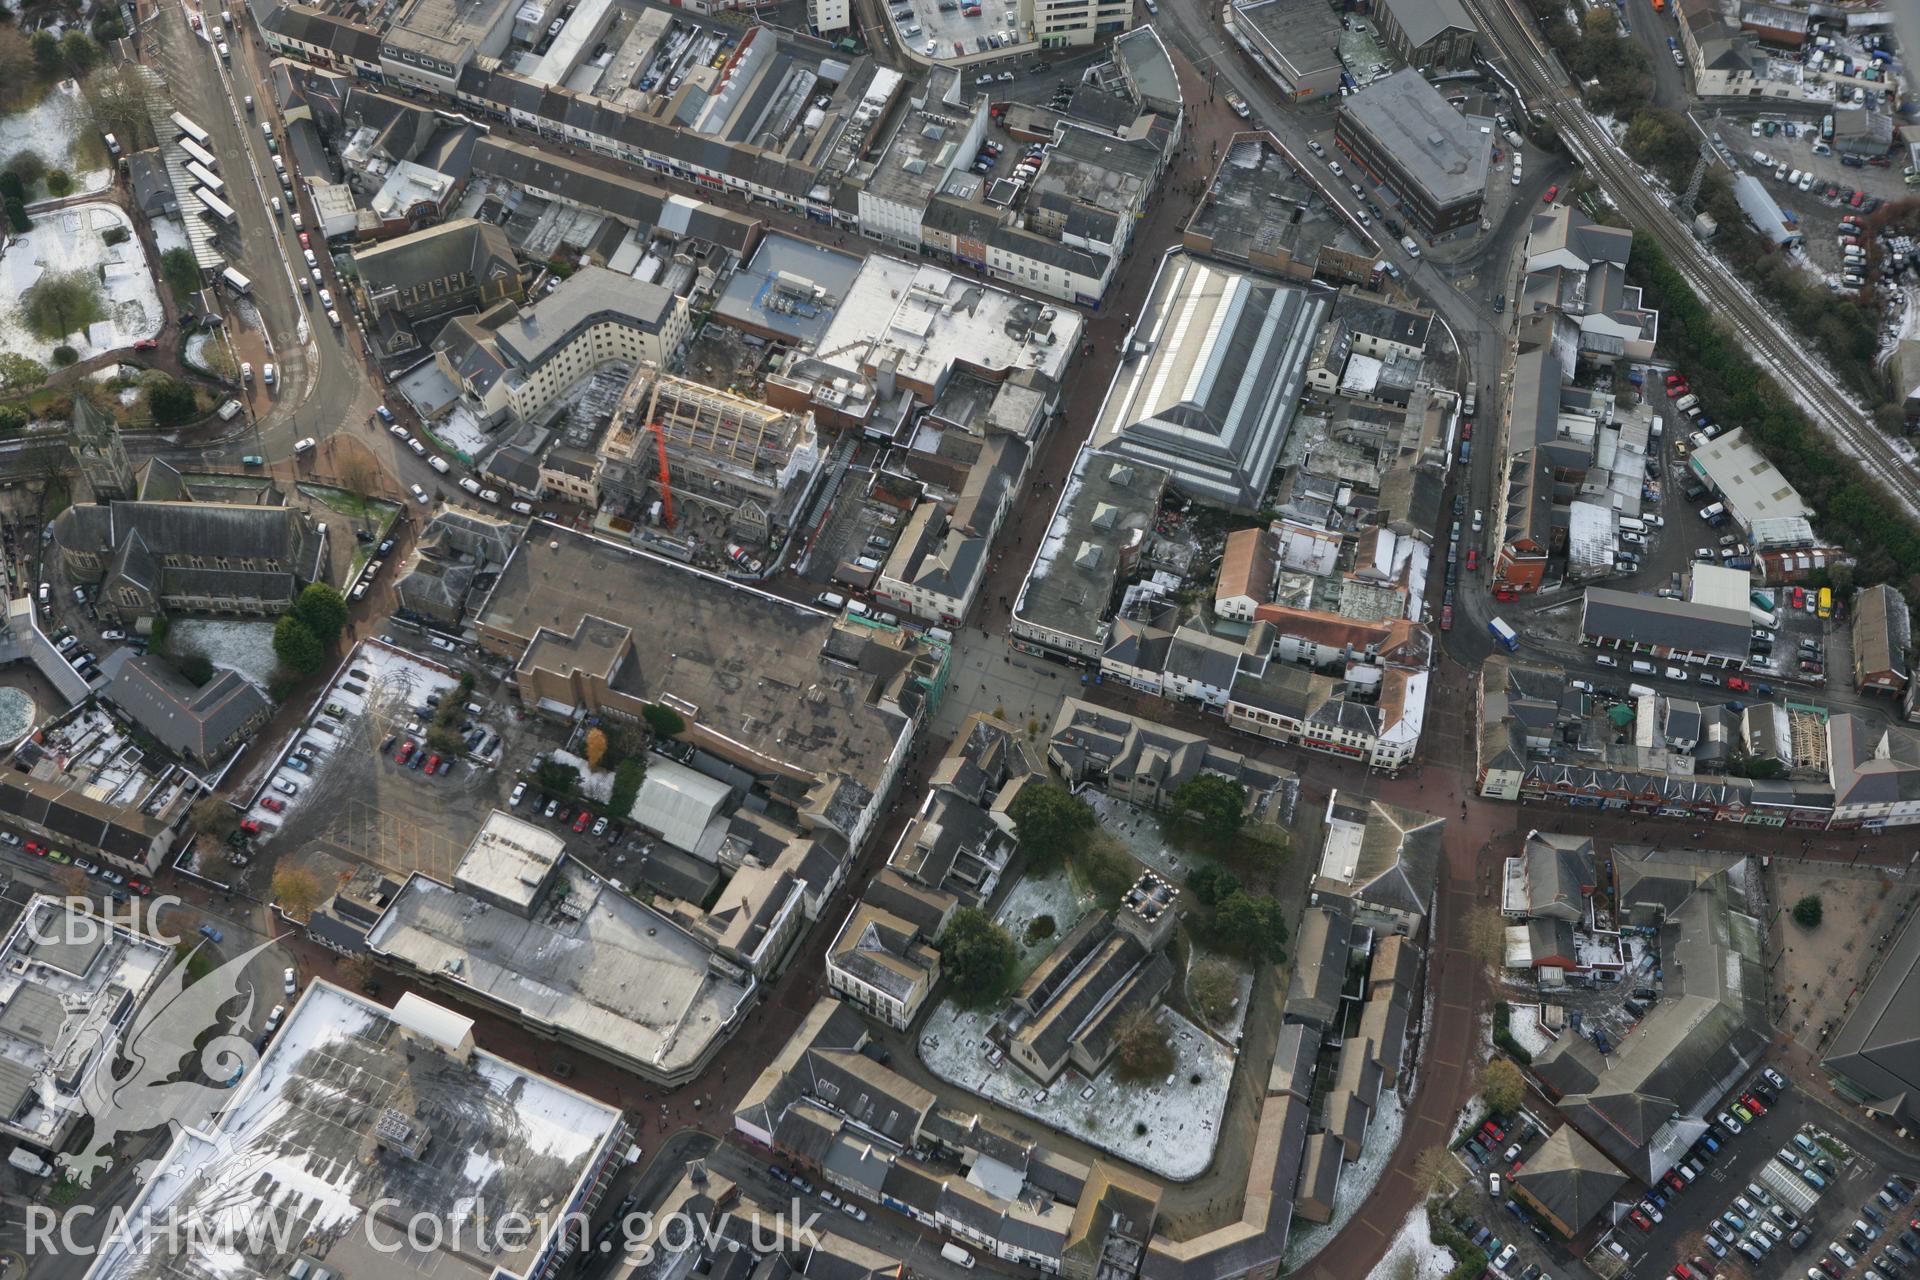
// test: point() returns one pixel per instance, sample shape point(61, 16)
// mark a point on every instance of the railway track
point(1545, 86)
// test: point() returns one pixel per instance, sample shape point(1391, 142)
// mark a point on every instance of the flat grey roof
point(1447, 153)
point(1676, 624)
point(1307, 32)
point(751, 662)
point(589, 295)
point(1106, 509)
point(299, 1146)
point(765, 292)
point(608, 970)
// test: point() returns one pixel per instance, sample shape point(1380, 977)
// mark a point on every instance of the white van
point(956, 1255)
point(1632, 524)
point(858, 608)
point(1640, 667)
point(868, 563)
point(1675, 673)
point(439, 464)
point(1659, 426)
point(830, 600)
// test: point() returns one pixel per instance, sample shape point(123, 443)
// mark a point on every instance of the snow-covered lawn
point(1415, 1241)
point(1524, 1022)
point(1139, 830)
point(50, 127)
point(1035, 896)
point(169, 234)
point(1357, 1181)
point(69, 240)
point(247, 647)
point(1168, 1129)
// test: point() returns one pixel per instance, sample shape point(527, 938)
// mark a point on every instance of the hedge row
point(1503, 1038)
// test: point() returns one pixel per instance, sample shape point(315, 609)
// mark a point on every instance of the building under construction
point(704, 455)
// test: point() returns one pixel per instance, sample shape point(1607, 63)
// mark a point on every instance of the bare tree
point(16, 56)
point(118, 101)
point(215, 818)
point(1486, 936)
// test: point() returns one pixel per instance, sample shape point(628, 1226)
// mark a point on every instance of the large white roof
point(678, 803)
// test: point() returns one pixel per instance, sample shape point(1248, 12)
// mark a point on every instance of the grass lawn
point(352, 504)
point(181, 273)
point(199, 962)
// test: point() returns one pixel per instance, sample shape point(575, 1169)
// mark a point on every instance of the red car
point(1552, 191)
point(273, 804)
point(433, 762)
point(1466, 431)
point(147, 344)
point(140, 887)
point(1799, 598)
point(1446, 617)
point(1738, 685)
point(1494, 1131)
point(304, 242)
point(1752, 1104)
point(1674, 379)
point(1675, 1181)
point(1473, 559)
point(1682, 1271)
point(37, 850)
point(251, 826)
point(580, 823)
point(1641, 1220)
point(1675, 390)
point(404, 754)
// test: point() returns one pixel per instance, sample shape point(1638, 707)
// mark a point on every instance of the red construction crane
point(666, 476)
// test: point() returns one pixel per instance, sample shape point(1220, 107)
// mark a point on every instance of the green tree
point(294, 643)
point(324, 610)
point(627, 777)
point(46, 52)
point(1502, 1085)
point(29, 166)
point(1050, 823)
point(11, 187)
point(663, 720)
point(59, 182)
point(1107, 868)
point(20, 373)
point(556, 777)
point(1252, 927)
point(977, 957)
point(79, 51)
point(194, 668)
point(173, 402)
point(1210, 884)
point(1808, 911)
point(60, 302)
point(1216, 804)
point(13, 418)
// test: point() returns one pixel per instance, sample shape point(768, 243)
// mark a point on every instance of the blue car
point(211, 934)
